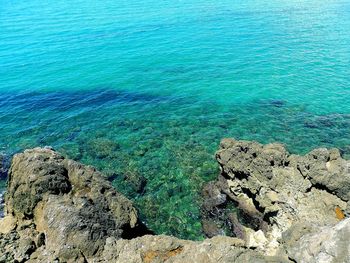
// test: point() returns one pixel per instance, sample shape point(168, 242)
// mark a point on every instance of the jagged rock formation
point(4, 164)
point(277, 191)
point(290, 209)
point(58, 210)
point(61, 209)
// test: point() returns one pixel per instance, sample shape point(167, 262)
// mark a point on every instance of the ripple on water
point(147, 99)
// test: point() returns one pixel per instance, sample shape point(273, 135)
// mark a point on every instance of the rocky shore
point(271, 205)
point(283, 200)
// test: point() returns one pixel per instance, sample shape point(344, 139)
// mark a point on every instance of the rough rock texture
point(2, 205)
point(154, 249)
point(68, 208)
point(58, 210)
point(321, 245)
point(279, 190)
point(290, 209)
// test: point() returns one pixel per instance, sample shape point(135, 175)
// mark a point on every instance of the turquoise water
point(145, 90)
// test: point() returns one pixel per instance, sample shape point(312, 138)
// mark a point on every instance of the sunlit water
point(148, 88)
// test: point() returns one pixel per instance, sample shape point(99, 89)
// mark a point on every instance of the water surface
point(145, 90)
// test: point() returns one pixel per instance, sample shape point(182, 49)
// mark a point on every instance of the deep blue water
point(145, 90)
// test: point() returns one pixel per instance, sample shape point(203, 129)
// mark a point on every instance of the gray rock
point(161, 248)
point(326, 169)
point(287, 189)
point(72, 205)
point(324, 245)
point(58, 210)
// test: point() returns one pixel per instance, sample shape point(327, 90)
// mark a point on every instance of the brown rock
point(282, 189)
point(72, 207)
point(7, 224)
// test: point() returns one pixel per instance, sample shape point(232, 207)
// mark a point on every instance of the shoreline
point(264, 182)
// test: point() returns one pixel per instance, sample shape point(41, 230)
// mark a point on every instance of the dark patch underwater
point(159, 150)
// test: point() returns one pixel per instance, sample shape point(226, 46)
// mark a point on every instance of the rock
point(327, 244)
point(215, 212)
point(327, 170)
point(237, 227)
point(280, 207)
point(211, 229)
point(24, 249)
point(33, 174)
point(63, 206)
point(4, 166)
point(161, 248)
point(9, 243)
point(255, 239)
point(213, 196)
point(2, 202)
point(283, 189)
point(40, 240)
point(7, 224)
point(136, 181)
point(58, 210)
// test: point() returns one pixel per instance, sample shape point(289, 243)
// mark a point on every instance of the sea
point(145, 90)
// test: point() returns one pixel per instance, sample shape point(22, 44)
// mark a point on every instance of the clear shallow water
point(142, 88)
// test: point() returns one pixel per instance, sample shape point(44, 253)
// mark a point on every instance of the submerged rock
point(136, 181)
point(276, 103)
point(328, 121)
point(4, 165)
point(2, 202)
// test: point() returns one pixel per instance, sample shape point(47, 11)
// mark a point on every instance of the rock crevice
point(282, 190)
point(273, 206)
point(58, 210)
point(62, 206)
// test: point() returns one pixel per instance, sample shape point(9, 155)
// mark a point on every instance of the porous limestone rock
point(58, 210)
point(328, 170)
point(154, 249)
point(283, 189)
point(70, 206)
point(322, 245)
point(7, 224)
